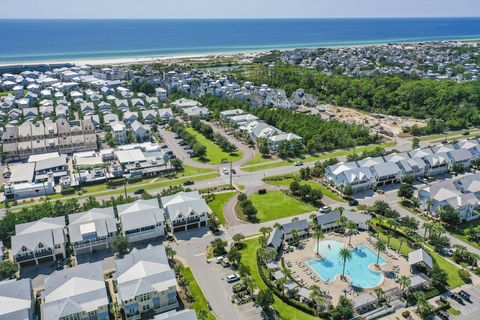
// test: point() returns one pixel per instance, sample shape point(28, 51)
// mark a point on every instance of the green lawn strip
point(200, 302)
point(249, 259)
point(257, 159)
point(453, 311)
point(218, 204)
point(395, 244)
point(338, 153)
point(449, 135)
point(315, 185)
point(214, 155)
point(191, 171)
point(276, 204)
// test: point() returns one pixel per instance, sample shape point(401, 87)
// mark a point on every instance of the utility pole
point(125, 187)
point(231, 174)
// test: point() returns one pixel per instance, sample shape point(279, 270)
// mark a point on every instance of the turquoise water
point(356, 269)
point(57, 40)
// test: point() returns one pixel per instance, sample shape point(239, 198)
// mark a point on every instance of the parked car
point(353, 202)
point(232, 278)
point(164, 146)
point(226, 171)
point(298, 163)
point(188, 183)
point(466, 133)
point(139, 191)
point(234, 171)
point(325, 209)
point(219, 259)
point(59, 265)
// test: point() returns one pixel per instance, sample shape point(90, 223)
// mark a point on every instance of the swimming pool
point(356, 268)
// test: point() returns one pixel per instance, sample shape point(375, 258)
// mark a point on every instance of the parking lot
point(469, 309)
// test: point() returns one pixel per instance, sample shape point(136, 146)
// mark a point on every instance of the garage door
point(178, 229)
point(192, 226)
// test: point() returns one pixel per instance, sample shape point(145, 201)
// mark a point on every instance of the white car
point(226, 171)
point(232, 278)
point(325, 209)
point(219, 259)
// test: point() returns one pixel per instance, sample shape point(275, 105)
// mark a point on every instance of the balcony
point(24, 257)
point(43, 253)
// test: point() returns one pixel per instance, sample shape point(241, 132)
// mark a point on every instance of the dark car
point(59, 265)
point(234, 171)
point(353, 202)
point(139, 191)
point(188, 183)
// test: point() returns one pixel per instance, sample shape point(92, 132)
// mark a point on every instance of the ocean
point(68, 40)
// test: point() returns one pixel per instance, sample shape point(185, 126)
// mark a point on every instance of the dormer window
point(24, 249)
point(40, 245)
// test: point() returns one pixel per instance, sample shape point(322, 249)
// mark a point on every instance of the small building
point(364, 302)
point(227, 114)
point(165, 115)
point(300, 226)
point(419, 281)
point(119, 132)
point(275, 239)
point(185, 210)
point(145, 282)
point(76, 293)
point(92, 230)
point(360, 219)
point(142, 220)
point(420, 257)
point(39, 241)
point(141, 133)
point(328, 222)
point(16, 300)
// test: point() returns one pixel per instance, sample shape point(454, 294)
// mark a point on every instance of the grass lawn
point(214, 155)
point(395, 244)
point(219, 202)
point(338, 153)
point(441, 136)
point(191, 171)
point(454, 279)
point(453, 311)
point(257, 159)
point(276, 204)
point(315, 185)
point(284, 310)
point(200, 302)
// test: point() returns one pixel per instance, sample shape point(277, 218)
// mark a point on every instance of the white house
point(16, 297)
point(145, 282)
point(92, 230)
point(39, 241)
point(185, 210)
point(142, 219)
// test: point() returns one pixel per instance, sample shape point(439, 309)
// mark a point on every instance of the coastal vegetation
point(451, 105)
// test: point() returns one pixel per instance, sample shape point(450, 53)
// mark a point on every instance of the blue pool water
point(356, 269)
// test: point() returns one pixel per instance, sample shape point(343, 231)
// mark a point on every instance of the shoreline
point(241, 54)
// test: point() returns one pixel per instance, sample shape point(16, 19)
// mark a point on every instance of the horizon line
point(257, 18)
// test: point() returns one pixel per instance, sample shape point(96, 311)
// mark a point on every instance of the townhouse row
point(145, 285)
point(379, 171)
point(96, 229)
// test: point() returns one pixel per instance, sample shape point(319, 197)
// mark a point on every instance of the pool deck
point(300, 270)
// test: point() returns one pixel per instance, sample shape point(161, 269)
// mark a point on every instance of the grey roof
point(278, 275)
point(295, 225)
point(385, 169)
point(97, 221)
point(338, 168)
point(15, 299)
point(141, 213)
point(357, 217)
point(74, 290)
point(420, 153)
point(51, 163)
point(327, 218)
point(418, 256)
point(437, 159)
point(144, 271)
point(369, 162)
point(48, 231)
point(357, 174)
point(470, 183)
point(460, 155)
point(418, 280)
point(395, 157)
point(184, 204)
point(411, 164)
point(22, 172)
point(275, 238)
point(185, 314)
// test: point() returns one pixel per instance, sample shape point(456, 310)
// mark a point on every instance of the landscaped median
point(275, 205)
point(257, 165)
point(200, 304)
point(218, 203)
point(214, 154)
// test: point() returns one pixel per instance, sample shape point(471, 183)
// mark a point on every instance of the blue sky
point(151, 9)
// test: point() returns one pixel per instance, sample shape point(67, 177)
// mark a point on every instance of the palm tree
point(351, 227)
point(316, 296)
point(265, 231)
point(318, 235)
point(341, 221)
point(379, 293)
point(340, 209)
point(170, 253)
point(345, 254)
point(392, 223)
point(379, 246)
point(404, 282)
point(427, 227)
point(429, 203)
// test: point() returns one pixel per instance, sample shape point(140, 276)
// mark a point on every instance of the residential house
point(328, 222)
point(161, 93)
point(185, 210)
point(140, 131)
point(437, 163)
point(129, 117)
point(461, 157)
point(92, 230)
point(385, 173)
point(145, 282)
point(149, 116)
point(275, 141)
point(166, 115)
point(440, 194)
point(185, 314)
point(16, 297)
point(39, 241)
point(227, 114)
point(142, 219)
point(76, 293)
point(119, 132)
point(469, 184)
